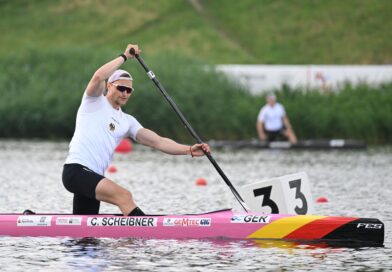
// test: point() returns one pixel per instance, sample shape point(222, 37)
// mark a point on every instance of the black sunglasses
point(122, 89)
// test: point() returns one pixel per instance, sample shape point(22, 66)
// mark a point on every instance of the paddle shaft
point(152, 76)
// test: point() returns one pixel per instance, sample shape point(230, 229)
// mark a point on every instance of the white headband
point(119, 74)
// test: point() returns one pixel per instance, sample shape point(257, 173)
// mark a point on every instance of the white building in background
point(264, 78)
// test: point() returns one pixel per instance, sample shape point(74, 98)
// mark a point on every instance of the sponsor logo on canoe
point(186, 222)
point(122, 222)
point(369, 226)
point(69, 221)
point(34, 221)
point(250, 218)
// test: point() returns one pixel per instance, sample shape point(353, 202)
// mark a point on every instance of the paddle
point(152, 76)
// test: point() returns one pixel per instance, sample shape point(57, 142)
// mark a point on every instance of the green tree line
point(41, 92)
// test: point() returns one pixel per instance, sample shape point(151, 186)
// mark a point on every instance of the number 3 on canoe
point(285, 195)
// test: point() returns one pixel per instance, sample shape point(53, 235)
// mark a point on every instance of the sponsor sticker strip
point(34, 221)
point(250, 218)
point(369, 226)
point(68, 221)
point(186, 222)
point(122, 222)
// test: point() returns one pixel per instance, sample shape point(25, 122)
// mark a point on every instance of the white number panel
point(285, 195)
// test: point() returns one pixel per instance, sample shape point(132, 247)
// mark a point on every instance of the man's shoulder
point(91, 99)
point(129, 117)
point(265, 107)
point(91, 104)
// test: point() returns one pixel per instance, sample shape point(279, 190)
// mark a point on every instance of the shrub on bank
point(41, 91)
point(362, 112)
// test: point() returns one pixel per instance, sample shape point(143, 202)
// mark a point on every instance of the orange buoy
point(112, 169)
point(322, 200)
point(201, 182)
point(125, 146)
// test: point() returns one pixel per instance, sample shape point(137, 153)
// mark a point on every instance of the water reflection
point(87, 246)
point(91, 254)
point(151, 254)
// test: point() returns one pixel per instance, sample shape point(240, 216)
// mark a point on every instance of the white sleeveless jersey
point(272, 117)
point(99, 129)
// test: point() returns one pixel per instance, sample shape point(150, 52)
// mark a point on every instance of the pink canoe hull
point(225, 224)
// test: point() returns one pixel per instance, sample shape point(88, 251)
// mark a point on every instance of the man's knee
point(109, 191)
point(125, 195)
point(123, 198)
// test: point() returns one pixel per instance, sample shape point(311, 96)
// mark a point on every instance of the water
point(356, 183)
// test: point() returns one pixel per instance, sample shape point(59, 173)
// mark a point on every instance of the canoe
point(315, 144)
point(224, 224)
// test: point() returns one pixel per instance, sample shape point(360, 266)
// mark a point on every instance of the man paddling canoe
point(100, 126)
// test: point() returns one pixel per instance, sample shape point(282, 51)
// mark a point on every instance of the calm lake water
point(356, 183)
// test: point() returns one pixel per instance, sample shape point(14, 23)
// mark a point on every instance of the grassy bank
point(42, 90)
point(303, 32)
point(49, 50)
point(246, 31)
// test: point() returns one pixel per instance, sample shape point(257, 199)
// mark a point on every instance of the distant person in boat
point(100, 126)
point(273, 123)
